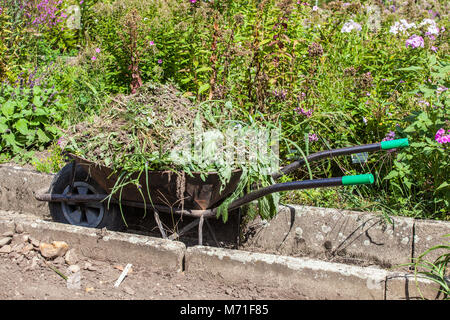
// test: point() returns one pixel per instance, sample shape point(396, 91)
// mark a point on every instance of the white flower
point(351, 25)
point(401, 26)
point(427, 21)
point(315, 8)
point(433, 30)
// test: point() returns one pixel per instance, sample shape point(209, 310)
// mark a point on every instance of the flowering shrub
point(335, 74)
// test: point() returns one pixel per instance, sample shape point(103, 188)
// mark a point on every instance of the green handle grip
point(358, 179)
point(392, 144)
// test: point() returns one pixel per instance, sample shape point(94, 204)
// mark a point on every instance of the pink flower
point(312, 137)
point(440, 137)
point(415, 42)
point(94, 58)
point(434, 49)
point(151, 43)
point(315, 8)
point(97, 50)
point(193, 1)
point(159, 61)
point(81, 2)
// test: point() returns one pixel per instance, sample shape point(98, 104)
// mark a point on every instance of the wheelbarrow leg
point(158, 222)
point(200, 230)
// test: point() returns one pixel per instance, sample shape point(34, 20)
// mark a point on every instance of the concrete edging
point(315, 279)
point(101, 244)
point(298, 231)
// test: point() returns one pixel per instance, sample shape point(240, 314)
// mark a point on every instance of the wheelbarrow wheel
point(91, 215)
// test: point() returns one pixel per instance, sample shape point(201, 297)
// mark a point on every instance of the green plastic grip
point(358, 179)
point(392, 144)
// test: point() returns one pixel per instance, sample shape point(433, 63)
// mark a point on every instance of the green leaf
point(22, 126)
point(203, 88)
point(203, 69)
point(3, 127)
point(10, 139)
point(392, 174)
point(37, 101)
point(42, 136)
point(8, 108)
point(443, 185)
point(412, 68)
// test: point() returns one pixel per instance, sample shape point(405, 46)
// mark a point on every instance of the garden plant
point(327, 74)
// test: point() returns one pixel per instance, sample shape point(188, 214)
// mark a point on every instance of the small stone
point(74, 281)
point(25, 238)
point(13, 255)
point(74, 268)
point(128, 290)
point(89, 266)
point(71, 257)
point(59, 260)
point(5, 249)
point(53, 250)
point(5, 241)
point(19, 259)
point(8, 234)
point(27, 248)
point(19, 228)
point(89, 289)
point(34, 262)
point(34, 242)
point(18, 247)
point(30, 255)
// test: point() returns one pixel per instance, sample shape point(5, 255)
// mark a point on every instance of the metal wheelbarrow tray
point(81, 192)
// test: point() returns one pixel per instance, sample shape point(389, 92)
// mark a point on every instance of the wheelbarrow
point(80, 194)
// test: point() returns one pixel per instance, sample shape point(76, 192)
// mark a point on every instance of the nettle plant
point(420, 173)
point(31, 109)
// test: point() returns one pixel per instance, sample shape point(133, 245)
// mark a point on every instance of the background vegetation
point(332, 74)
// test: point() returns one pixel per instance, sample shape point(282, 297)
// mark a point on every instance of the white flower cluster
point(350, 26)
point(401, 26)
point(432, 26)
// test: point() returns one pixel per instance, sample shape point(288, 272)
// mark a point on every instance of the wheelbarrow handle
point(305, 184)
point(384, 145)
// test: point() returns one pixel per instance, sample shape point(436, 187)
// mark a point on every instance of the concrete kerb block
point(102, 245)
point(410, 287)
point(315, 279)
point(430, 233)
point(18, 188)
point(324, 232)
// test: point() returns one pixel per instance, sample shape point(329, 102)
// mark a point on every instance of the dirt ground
point(26, 275)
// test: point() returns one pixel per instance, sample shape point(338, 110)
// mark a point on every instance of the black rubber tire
point(109, 217)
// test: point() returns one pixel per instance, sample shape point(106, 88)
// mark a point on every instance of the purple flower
point(434, 49)
point(151, 43)
point(306, 113)
point(389, 136)
point(159, 61)
point(415, 41)
point(193, 1)
point(312, 137)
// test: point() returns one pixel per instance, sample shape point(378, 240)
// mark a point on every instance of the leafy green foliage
point(30, 114)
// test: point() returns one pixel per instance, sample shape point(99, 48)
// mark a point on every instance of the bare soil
point(30, 276)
